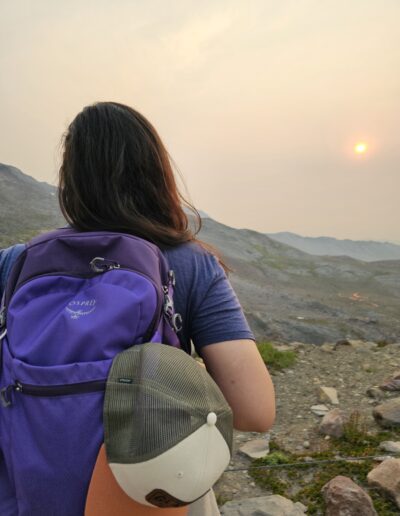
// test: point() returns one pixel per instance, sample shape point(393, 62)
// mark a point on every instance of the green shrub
point(274, 358)
point(355, 428)
point(281, 480)
point(275, 458)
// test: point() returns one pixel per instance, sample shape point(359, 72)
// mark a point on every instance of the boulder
point(256, 449)
point(363, 345)
point(333, 423)
point(386, 477)
point(273, 505)
point(328, 348)
point(319, 410)
point(375, 393)
point(390, 446)
point(342, 342)
point(392, 383)
point(343, 497)
point(328, 394)
point(388, 413)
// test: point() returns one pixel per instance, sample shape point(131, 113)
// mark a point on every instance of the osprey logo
point(79, 308)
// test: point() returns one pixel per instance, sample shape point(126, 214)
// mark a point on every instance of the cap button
point(211, 419)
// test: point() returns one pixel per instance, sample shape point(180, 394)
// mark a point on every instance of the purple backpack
point(73, 300)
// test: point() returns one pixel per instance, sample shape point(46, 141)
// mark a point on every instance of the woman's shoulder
point(192, 258)
point(187, 251)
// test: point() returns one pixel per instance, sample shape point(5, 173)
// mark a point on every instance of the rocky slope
point(290, 295)
point(287, 294)
point(354, 371)
point(27, 206)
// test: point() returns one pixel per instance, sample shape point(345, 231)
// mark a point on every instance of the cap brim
point(105, 497)
point(180, 475)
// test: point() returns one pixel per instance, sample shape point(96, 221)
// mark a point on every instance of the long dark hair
point(117, 175)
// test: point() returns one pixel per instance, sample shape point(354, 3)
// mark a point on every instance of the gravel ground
point(350, 370)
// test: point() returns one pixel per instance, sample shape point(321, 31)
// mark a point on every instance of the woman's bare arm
point(238, 369)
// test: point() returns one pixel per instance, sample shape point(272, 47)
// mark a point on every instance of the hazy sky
point(259, 102)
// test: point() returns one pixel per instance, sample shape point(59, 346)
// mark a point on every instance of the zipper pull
point(174, 319)
point(171, 278)
point(5, 393)
point(168, 303)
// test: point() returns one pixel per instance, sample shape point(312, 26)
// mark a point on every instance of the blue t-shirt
point(203, 295)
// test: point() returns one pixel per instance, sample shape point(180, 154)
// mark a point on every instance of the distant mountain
point(27, 206)
point(368, 251)
point(286, 293)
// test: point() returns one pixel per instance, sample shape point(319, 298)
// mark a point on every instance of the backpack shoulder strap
point(7, 259)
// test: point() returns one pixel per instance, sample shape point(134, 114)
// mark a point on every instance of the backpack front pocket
point(68, 319)
point(56, 431)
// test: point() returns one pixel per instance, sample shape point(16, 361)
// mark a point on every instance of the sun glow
point(360, 148)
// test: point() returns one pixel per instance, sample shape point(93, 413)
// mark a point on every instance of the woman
point(116, 175)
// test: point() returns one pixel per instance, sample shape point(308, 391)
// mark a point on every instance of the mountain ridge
point(291, 295)
point(287, 294)
point(27, 206)
point(365, 250)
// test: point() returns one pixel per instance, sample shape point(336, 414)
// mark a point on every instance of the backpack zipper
point(50, 390)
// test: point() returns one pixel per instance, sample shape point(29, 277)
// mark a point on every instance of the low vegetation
point(274, 358)
point(301, 479)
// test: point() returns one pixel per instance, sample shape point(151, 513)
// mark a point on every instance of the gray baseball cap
point(168, 428)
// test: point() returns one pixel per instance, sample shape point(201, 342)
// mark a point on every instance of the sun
point(360, 148)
